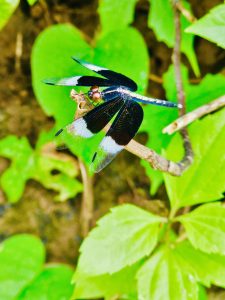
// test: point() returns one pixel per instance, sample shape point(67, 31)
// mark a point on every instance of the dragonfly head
point(94, 93)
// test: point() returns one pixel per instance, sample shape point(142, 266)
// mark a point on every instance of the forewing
point(123, 129)
point(79, 81)
point(116, 78)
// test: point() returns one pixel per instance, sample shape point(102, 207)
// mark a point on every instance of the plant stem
point(188, 157)
point(194, 115)
point(87, 204)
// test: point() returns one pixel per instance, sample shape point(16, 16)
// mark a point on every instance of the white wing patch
point(70, 81)
point(93, 67)
point(110, 146)
point(107, 151)
point(79, 128)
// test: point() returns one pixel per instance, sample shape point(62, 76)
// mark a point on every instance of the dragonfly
point(118, 102)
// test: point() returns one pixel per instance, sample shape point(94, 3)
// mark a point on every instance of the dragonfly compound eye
point(94, 93)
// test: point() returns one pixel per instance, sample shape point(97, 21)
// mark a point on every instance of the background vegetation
point(167, 239)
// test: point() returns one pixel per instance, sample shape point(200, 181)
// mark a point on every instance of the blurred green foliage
point(23, 273)
point(161, 20)
point(7, 8)
point(131, 254)
point(38, 164)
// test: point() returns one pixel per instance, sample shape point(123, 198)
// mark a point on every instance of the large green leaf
point(36, 164)
point(211, 26)
point(161, 20)
point(57, 44)
point(121, 284)
point(205, 227)
point(204, 180)
point(115, 15)
point(209, 268)
point(156, 118)
point(21, 260)
point(54, 283)
point(121, 238)
point(7, 8)
point(51, 57)
point(166, 276)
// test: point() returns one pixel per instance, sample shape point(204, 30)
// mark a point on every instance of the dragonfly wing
point(79, 81)
point(123, 129)
point(116, 78)
point(95, 120)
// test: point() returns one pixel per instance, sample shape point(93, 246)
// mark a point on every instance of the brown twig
point(186, 13)
point(87, 204)
point(18, 52)
point(199, 112)
point(188, 158)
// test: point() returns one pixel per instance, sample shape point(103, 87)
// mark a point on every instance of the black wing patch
point(123, 129)
point(116, 78)
point(99, 117)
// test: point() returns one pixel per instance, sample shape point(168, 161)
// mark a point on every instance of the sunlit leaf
point(21, 260)
point(38, 164)
point(166, 276)
point(209, 268)
point(121, 284)
point(156, 118)
point(115, 15)
point(204, 180)
point(121, 238)
point(54, 283)
point(211, 26)
point(51, 57)
point(161, 20)
point(114, 49)
point(7, 8)
point(205, 227)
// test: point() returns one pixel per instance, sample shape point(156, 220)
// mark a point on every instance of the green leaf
point(7, 8)
point(205, 227)
point(209, 268)
point(21, 260)
point(166, 276)
point(51, 57)
point(211, 26)
point(113, 50)
point(156, 118)
point(56, 45)
point(161, 20)
point(37, 164)
point(122, 238)
point(31, 2)
point(121, 284)
point(115, 15)
point(204, 180)
point(54, 283)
